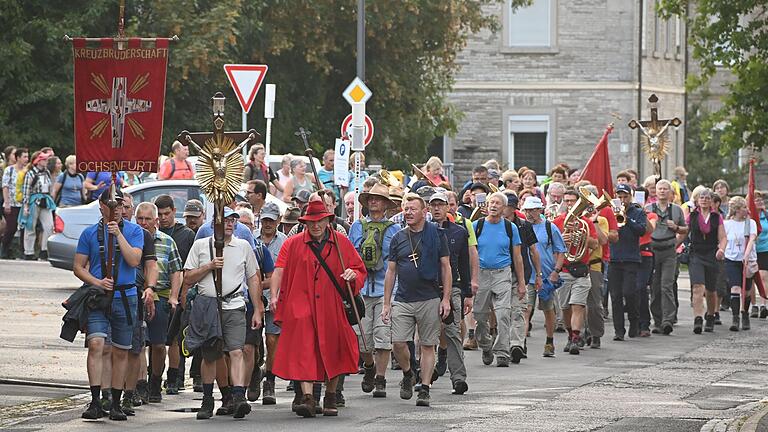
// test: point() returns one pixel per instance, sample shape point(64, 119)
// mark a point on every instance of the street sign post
point(245, 80)
point(269, 114)
point(357, 94)
point(346, 129)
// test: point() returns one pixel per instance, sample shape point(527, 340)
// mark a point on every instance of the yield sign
point(357, 92)
point(245, 80)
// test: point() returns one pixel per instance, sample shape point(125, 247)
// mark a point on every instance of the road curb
point(9, 381)
point(751, 424)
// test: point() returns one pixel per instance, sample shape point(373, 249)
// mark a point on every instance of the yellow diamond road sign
point(357, 92)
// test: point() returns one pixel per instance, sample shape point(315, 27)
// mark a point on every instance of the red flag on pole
point(753, 213)
point(598, 168)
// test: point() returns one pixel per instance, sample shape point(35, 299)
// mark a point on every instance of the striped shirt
point(168, 261)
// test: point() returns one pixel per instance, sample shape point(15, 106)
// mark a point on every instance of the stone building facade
point(542, 89)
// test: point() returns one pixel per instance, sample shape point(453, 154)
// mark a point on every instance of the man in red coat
point(316, 341)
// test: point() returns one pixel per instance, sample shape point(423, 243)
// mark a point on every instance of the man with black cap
point(194, 214)
point(625, 260)
point(115, 328)
point(371, 235)
point(207, 325)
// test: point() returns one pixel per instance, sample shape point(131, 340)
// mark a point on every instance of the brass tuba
point(387, 179)
point(599, 203)
point(576, 247)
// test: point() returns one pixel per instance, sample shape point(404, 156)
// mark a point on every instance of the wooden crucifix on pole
point(654, 133)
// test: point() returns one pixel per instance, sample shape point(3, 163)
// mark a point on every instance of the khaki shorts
point(233, 328)
point(542, 305)
point(575, 291)
point(424, 314)
point(377, 334)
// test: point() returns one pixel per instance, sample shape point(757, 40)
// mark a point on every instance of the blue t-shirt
point(88, 245)
point(493, 244)
point(411, 287)
point(546, 250)
point(762, 238)
point(71, 191)
point(241, 232)
point(106, 178)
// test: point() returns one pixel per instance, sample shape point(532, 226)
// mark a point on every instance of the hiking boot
point(595, 342)
point(206, 408)
point(269, 393)
point(172, 388)
point(487, 357)
point(575, 346)
point(296, 401)
point(460, 387)
point(745, 321)
point(763, 312)
point(307, 406)
point(155, 395)
point(341, 402)
point(106, 404)
point(567, 346)
point(698, 325)
point(549, 350)
point(142, 389)
point(380, 390)
point(516, 353)
point(502, 362)
point(329, 405)
point(560, 328)
point(666, 329)
point(618, 338)
point(227, 406)
point(634, 329)
point(197, 384)
point(709, 323)
point(367, 383)
point(44, 257)
point(718, 321)
point(94, 412)
point(254, 389)
point(127, 405)
point(240, 406)
point(116, 413)
point(423, 398)
point(136, 400)
point(735, 324)
point(394, 365)
point(442, 361)
point(470, 344)
point(406, 386)
point(29, 257)
point(754, 314)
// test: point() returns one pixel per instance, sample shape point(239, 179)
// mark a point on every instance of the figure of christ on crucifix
point(656, 138)
point(118, 106)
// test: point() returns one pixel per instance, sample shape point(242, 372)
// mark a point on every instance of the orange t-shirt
point(646, 238)
point(183, 170)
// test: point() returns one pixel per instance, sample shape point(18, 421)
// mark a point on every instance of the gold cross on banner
point(654, 132)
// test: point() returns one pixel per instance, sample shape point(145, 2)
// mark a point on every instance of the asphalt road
point(680, 382)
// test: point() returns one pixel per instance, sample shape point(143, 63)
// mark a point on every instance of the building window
point(678, 36)
point(644, 18)
point(670, 35)
point(656, 28)
point(529, 142)
point(530, 26)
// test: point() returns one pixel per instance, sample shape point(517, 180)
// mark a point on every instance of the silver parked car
point(70, 222)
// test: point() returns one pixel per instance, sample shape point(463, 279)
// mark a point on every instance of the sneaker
point(43, 256)
point(367, 382)
point(618, 338)
point(709, 323)
point(656, 330)
point(29, 257)
point(127, 405)
point(206, 409)
point(549, 350)
point(517, 354)
point(94, 412)
point(487, 357)
point(567, 347)
point(763, 312)
point(380, 387)
point(116, 413)
point(460, 387)
point(269, 393)
point(575, 346)
point(754, 314)
point(666, 329)
point(406, 386)
point(718, 321)
point(240, 406)
point(745, 320)
point(197, 384)
point(172, 388)
point(470, 344)
point(560, 328)
point(502, 362)
point(329, 405)
point(735, 324)
point(227, 406)
point(307, 408)
point(698, 324)
point(595, 342)
point(442, 361)
point(423, 398)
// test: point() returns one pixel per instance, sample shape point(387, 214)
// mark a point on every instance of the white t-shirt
point(737, 236)
point(239, 263)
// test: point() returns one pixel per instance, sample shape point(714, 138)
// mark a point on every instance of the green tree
point(730, 35)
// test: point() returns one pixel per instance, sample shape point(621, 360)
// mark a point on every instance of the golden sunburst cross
point(117, 107)
point(654, 134)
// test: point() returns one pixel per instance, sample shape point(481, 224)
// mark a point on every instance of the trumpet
point(387, 179)
point(620, 213)
point(577, 228)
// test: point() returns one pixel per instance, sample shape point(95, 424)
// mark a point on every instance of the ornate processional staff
point(655, 135)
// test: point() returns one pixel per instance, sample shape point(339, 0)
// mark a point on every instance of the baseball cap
point(193, 208)
point(624, 188)
point(512, 199)
point(426, 192)
point(479, 186)
point(104, 197)
point(270, 210)
point(439, 196)
point(302, 196)
point(228, 212)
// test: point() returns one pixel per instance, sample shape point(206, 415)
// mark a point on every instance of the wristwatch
point(540, 274)
point(558, 270)
point(152, 287)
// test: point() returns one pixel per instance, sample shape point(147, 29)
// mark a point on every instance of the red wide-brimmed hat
point(315, 211)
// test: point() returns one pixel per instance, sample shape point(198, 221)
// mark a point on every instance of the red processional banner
point(119, 104)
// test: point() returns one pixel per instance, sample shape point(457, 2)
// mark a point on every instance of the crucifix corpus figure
point(655, 137)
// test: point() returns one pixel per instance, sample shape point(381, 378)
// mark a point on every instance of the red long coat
point(316, 341)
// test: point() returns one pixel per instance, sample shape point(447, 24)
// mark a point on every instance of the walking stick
point(320, 191)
